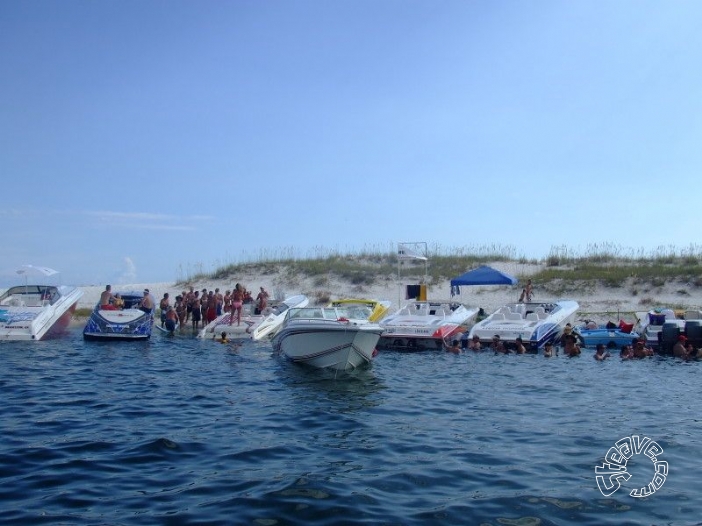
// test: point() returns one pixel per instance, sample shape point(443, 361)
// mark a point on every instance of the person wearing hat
point(600, 352)
point(679, 350)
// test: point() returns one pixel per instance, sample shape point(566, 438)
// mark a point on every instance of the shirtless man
point(262, 300)
point(454, 347)
point(519, 346)
point(196, 313)
point(106, 297)
point(147, 303)
point(679, 350)
point(475, 344)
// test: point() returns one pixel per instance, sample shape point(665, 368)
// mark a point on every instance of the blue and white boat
point(536, 323)
point(107, 322)
point(610, 337)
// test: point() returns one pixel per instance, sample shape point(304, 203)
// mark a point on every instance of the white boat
point(272, 322)
point(225, 324)
point(33, 312)
point(661, 327)
point(127, 323)
point(372, 310)
point(253, 326)
point(324, 337)
point(425, 325)
point(536, 323)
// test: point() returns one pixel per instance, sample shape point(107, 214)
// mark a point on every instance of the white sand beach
point(596, 301)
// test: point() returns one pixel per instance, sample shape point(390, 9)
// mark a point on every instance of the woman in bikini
point(237, 301)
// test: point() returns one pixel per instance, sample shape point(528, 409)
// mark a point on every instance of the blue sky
point(143, 141)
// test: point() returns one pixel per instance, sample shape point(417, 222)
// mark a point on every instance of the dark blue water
point(184, 431)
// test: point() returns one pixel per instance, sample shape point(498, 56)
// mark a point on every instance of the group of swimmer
point(568, 341)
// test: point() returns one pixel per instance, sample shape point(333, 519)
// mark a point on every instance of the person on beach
point(522, 296)
point(237, 302)
point(528, 291)
point(171, 319)
point(219, 302)
point(600, 352)
point(181, 311)
point(163, 305)
point(147, 303)
point(106, 297)
point(211, 307)
point(261, 301)
point(189, 298)
point(196, 313)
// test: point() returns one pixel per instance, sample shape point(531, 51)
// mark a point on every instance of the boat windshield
point(29, 296)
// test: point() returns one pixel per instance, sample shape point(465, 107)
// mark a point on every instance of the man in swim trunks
point(261, 301)
point(106, 297)
point(147, 303)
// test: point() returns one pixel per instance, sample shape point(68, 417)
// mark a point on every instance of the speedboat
point(324, 337)
point(34, 312)
point(536, 323)
point(272, 322)
point(610, 335)
point(233, 329)
point(661, 327)
point(425, 325)
point(372, 310)
point(128, 323)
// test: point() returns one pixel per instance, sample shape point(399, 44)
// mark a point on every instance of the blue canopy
point(483, 275)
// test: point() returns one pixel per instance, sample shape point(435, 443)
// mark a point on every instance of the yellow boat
point(372, 310)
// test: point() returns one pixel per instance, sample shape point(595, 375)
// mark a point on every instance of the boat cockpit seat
point(498, 316)
point(542, 315)
point(532, 316)
point(513, 316)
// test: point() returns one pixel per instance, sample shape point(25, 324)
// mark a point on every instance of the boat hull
point(515, 320)
point(127, 324)
point(338, 346)
point(425, 325)
point(25, 317)
point(610, 338)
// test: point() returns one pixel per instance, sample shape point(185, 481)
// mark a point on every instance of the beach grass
point(611, 266)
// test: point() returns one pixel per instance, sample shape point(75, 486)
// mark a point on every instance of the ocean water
point(183, 431)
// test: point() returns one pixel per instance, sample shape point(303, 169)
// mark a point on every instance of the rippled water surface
point(182, 431)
